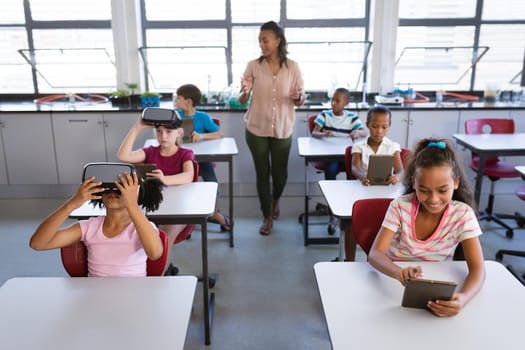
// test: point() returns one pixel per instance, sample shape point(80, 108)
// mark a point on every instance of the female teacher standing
point(277, 86)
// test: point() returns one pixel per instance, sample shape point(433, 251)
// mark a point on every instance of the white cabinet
point(519, 119)
point(29, 148)
point(79, 139)
point(116, 127)
point(437, 124)
point(3, 170)
point(398, 131)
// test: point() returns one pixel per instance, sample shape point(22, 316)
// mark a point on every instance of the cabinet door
point(116, 128)
point(29, 149)
point(3, 170)
point(79, 139)
point(439, 124)
point(398, 131)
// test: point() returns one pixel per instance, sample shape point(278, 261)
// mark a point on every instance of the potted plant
point(150, 99)
point(134, 99)
point(119, 97)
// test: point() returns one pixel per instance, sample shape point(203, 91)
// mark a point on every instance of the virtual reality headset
point(107, 173)
point(168, 118)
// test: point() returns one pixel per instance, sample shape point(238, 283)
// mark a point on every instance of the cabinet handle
point(77, 120)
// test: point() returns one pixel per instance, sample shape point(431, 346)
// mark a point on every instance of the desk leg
point(230, 192)
point(350, 243)
point(207, 298)
point(305, 215)
point(479, 179)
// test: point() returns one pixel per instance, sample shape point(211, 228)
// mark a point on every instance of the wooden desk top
point(363, 310)
point(341, 194)
point(96, 313)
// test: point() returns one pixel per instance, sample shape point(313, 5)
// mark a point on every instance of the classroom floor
point(266, 294)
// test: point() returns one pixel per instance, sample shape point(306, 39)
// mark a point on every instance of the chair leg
point(497, 218)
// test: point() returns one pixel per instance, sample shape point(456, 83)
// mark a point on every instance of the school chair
point(74, 259)
point(320, 208)
point(520, 193)
point(367, 217)
point(495, 169)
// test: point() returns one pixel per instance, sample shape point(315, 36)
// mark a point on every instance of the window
point(213, 53)
point(485, 46)
point(70, 48)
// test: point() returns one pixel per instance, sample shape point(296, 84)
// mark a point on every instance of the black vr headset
point(168, 118)
point(107, 173)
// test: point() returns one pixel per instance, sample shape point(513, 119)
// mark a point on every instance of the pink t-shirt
point(171, 165)
point(122, 255)
point(458, 223)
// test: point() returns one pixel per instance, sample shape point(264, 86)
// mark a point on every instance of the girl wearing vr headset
point(174, 163)
point(119, 243)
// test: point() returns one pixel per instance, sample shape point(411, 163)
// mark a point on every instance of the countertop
point(29, 106)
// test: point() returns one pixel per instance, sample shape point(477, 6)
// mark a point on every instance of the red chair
point(495, 169)
point(367, 217)
point(74, 259)
point(520, 192)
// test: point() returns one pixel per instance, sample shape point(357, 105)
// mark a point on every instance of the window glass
point(512, 9)
point(245, 49)
point(309, 9)
point(169, 10)
point(437, 9)
point(12, 12)
point(255, 11)
point(182, 56)
point(49, 10)
point(504, 60)
point(430, 69)
point(328, 57)
point(80, 60)
point(15, 72)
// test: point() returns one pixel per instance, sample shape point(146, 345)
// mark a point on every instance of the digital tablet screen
point(419, 291)
point(187, 126)
point(379, 169)
point(143, 169)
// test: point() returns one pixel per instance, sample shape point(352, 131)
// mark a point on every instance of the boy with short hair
point(188, 97)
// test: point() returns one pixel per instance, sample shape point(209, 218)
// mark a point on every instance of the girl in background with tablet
point(174, 163)
point(378, 121)
point(429, 221)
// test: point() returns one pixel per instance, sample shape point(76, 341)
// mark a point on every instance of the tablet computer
point(144, 168)
point(187, 126)
point(379, 169)
point(419, 291)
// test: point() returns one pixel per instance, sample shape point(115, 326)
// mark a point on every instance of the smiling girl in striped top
point(430, 220)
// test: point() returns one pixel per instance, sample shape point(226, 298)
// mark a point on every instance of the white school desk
point(217, 150)
point(314, 150)
point(362, 309)
point(341, 195)
point(50, 313)
point(521, 169)
point(183, 204)
point(486, 145)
